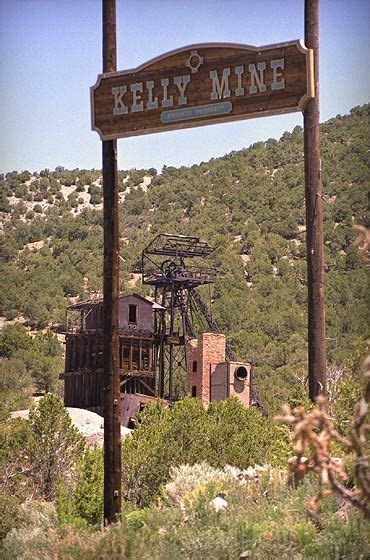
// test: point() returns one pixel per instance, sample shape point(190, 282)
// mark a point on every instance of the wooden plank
point(202, 84)
point(142, 382)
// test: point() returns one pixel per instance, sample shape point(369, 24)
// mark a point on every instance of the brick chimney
point(203, 355)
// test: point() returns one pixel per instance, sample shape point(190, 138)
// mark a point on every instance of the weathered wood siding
point(94, 317)
point(144, 321)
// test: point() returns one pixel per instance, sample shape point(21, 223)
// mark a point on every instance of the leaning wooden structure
point(83, 376)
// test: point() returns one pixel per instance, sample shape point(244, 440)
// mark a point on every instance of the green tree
point(88, 495)
point(15, 384)
point(55, 445)
point(14, 337)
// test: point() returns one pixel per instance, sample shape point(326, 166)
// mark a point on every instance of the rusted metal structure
point(165, 265)
point(136, 350)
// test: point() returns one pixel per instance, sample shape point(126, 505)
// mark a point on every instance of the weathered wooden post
point(314, 217)
point(112, 427)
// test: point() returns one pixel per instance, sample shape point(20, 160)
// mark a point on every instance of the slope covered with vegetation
point(249, 205)
point(181, 496)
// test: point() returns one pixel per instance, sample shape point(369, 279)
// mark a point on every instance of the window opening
point(132, 313)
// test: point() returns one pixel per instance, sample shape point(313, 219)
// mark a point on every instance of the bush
point(185, 479)
point(262, 520)
point(20, 191)
point(96, 199)
point(41, 452)
point(35, 519)
point(85, 500)
point(349, 393)
point(188, 433)
point(38, 197)
point(55, 444)
point(14, 337)
point(15, 384)
point(9, 508)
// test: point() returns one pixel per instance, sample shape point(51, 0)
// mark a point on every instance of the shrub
point(20, 191)
point(188, 433)
point(186, 478)
point(38, 197)
point(4, 204)
point(96, 198)
point(55, 445)
point(14, 337)
point(15, 384)
point(89, 488)
point(262, 520)
point(9, 508)
point(35, 519)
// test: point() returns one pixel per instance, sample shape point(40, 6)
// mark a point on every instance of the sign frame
point(197, 122)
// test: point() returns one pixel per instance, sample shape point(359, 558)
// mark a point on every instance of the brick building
point(210, 377)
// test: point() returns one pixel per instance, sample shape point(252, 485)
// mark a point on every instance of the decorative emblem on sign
point(194, 61)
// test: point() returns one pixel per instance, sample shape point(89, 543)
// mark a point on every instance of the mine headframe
point(174, 265)
point(163, 261)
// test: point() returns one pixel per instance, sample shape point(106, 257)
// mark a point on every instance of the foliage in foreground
point(190, 433)
point(262, 520)
point(36, 455)
point(314, 435)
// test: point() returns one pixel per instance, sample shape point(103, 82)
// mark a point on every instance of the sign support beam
point(112, 427)
point(314, 218)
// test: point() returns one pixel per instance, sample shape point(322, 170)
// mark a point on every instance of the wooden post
point(140, 355)
point(112, 428)
point(314, 218)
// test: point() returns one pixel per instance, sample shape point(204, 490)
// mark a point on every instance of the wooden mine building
point(83, 376)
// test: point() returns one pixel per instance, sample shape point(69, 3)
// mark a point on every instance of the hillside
point(248, 204)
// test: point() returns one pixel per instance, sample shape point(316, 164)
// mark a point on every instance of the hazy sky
point(51, 55)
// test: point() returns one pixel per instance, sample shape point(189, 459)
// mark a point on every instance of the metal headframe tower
point(174, 265)
point(165, 265)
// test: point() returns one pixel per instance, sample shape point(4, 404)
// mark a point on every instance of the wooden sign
point(202, 84)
